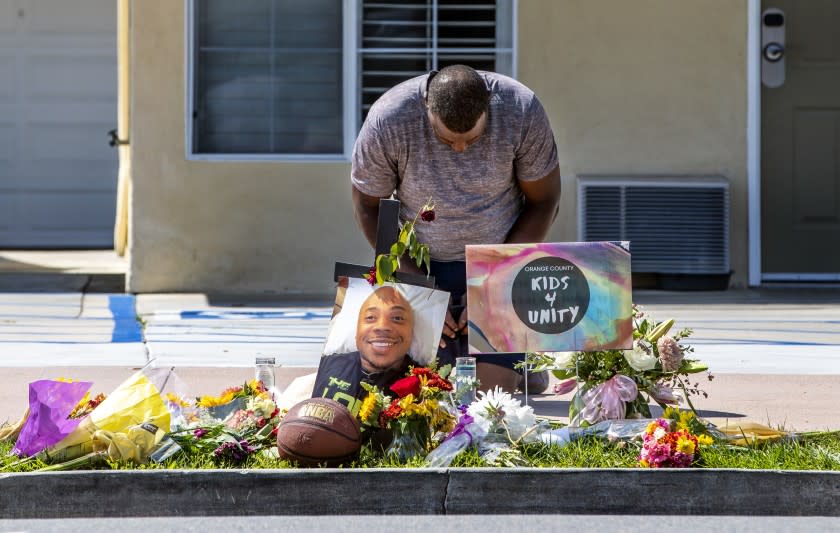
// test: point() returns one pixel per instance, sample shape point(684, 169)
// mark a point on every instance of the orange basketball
point(319, 431)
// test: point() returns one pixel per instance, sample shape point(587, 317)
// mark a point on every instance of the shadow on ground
point(560, 409)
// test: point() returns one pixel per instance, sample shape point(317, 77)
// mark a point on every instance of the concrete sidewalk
point(775, 354)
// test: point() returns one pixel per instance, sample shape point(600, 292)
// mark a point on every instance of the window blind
point(400, 40)
point(268, 77)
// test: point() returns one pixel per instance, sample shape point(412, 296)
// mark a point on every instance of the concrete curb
point(418, 491)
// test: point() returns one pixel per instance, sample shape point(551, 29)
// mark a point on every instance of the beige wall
point(233, 227)
point(631, 88)
point(642, 87)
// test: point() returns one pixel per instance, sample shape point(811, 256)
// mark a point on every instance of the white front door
point(58, 99)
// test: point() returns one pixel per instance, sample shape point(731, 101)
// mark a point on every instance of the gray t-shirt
point(476, 195)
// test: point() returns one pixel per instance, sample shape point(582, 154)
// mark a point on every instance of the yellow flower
point(685, 445)
point(215, 401)
point(406, 401)
point(705, 440)
point(81, 405)
point(177, 400)
point(685, 419)
point(368, 405)
point(651, 428)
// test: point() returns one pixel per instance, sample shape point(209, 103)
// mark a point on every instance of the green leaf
point(405, 234)
point(692, 367)
point(565, 373)
point(444, 371)
point(427, 258)
point(384, 268)
point(576, 405)
point(397, 249)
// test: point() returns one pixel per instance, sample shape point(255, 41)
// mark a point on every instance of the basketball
point(319, 431)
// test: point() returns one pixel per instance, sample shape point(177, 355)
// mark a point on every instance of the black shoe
point(537, 382)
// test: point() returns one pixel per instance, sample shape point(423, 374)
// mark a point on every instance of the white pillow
point(429, 306)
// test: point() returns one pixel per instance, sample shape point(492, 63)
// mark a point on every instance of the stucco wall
point(642, 87)
point(236, 227)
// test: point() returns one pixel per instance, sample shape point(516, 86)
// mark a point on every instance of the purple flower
point(234, 451)
point(199, 432)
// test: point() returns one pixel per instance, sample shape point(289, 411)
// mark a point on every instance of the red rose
point(406, 386)
point(428, 215)
point(421, 371)
point(371, 276)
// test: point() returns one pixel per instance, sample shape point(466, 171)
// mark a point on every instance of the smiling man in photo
point(384, 333)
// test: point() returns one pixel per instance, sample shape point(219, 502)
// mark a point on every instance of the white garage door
point(58, 99)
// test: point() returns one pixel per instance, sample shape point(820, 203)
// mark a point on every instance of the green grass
point(820, 452)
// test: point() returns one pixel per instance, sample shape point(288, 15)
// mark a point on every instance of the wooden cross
point(387, 231)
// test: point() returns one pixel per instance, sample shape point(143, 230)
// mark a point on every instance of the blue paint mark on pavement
point(126, 326)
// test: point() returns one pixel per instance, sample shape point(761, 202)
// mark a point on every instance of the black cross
point(387, 231)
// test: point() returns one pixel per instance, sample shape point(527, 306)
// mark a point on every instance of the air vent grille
point(674, 225)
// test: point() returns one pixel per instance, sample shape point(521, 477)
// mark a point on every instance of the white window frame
point(350, 87)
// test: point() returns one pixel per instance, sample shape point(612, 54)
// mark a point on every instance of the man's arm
point(542, 199)
point(367, 214)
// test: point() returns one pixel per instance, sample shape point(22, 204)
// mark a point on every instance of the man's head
point(384, 330)
point(457, 100)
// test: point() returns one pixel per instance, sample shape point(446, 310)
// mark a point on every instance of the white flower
point(261, 405)
point(496, 410)
point(639, 359)
point(564, 360)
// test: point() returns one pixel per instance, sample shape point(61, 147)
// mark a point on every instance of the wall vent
point(675, 224)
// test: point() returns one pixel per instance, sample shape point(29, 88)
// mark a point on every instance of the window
point(401, 40)
point(294, 79)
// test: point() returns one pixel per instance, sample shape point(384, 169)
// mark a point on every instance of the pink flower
point(565, 387)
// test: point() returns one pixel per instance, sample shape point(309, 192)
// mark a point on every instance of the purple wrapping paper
point(50, 402)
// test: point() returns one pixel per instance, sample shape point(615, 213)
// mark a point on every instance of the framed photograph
point(549, 297)
point(427, 308)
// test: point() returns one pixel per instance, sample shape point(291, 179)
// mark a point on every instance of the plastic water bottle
point(264, 371)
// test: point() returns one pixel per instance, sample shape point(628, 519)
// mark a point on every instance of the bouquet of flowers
point(673, 441)
point(617, 384)
point(497, 423)
point(418, 412)
point(227, 432)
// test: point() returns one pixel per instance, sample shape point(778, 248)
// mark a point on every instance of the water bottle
point(264, 371)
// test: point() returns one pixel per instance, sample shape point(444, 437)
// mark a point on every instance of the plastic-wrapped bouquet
point(496, 423)
point(617, 384)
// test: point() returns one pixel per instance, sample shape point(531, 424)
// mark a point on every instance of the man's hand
point(453, 328)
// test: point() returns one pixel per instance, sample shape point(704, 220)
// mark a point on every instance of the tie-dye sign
point(550, 297)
